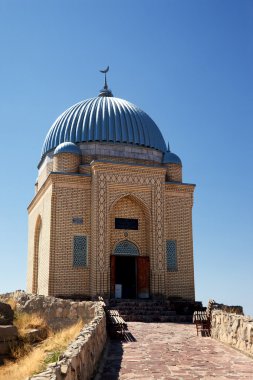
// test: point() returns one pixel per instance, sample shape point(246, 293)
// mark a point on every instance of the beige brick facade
point(39, 242)
point(98, 192)
point(174, 173)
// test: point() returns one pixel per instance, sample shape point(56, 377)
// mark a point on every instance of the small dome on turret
point(67, 158)
point(171, 158)
point(67, 147)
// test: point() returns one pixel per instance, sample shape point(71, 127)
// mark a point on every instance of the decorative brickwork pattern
point(101, 220)
point(159, 224)
point(99, 151)
point(101, 192)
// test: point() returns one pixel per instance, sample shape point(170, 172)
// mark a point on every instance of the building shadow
point(110, 363)
point(128, 337)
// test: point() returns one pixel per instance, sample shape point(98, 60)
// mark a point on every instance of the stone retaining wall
point(233, 329)
point(81, 358)
point(57, 312)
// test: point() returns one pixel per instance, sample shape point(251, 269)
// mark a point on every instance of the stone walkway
point(157, 351)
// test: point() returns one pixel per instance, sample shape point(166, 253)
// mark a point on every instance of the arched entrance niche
point(129, 271)
point(130, 247)
point(129, 206)
point(37, 241)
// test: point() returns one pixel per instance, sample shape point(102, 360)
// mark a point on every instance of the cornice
point(73, 177)
point(103, 165)
point(179, 187)
point(39, 194)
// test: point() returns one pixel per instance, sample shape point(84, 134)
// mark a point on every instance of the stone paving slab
point(164, 351)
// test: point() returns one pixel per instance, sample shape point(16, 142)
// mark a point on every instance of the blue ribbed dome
point(104, 119)
point(67, 147)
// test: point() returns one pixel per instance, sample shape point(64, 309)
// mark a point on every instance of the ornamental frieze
point(105, 204)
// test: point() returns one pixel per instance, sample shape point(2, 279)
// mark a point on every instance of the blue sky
point(188, 64)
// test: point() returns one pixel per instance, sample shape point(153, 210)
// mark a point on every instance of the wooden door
point(113, 274)
point(143, 270)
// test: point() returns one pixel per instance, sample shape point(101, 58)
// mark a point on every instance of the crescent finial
point(105, 70)
point(105, 91)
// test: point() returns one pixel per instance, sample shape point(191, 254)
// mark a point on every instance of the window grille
point(171, 255)
point(76, 220)
point(80, 251)
point(126, 248)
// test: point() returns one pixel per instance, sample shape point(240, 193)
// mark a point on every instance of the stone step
point(139, 300)
point(161, 318)
point(184, 318)
point(141, 311)
point(145, 312)
point(149, 318)
point(146, 304)
point(148, 311)
point(142, 307)
point(139, 304)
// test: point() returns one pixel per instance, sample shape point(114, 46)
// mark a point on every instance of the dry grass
point(25, 321)
point(37, 360)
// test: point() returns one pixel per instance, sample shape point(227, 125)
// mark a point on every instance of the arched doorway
point(129, 272)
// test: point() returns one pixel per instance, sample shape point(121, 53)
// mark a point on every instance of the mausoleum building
point(110, 212)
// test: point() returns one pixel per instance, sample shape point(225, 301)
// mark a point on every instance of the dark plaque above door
point(126, 224)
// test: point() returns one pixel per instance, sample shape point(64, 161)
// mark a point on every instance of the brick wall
point(72, 199)
point(44, 171)
point(112, 190)
point(98, 151)
point(66, 162)
point(174, 173)
point(38, 268)
point(178, 226)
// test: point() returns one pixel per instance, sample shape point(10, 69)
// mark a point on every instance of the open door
point(112, 275)
point(143, 271)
